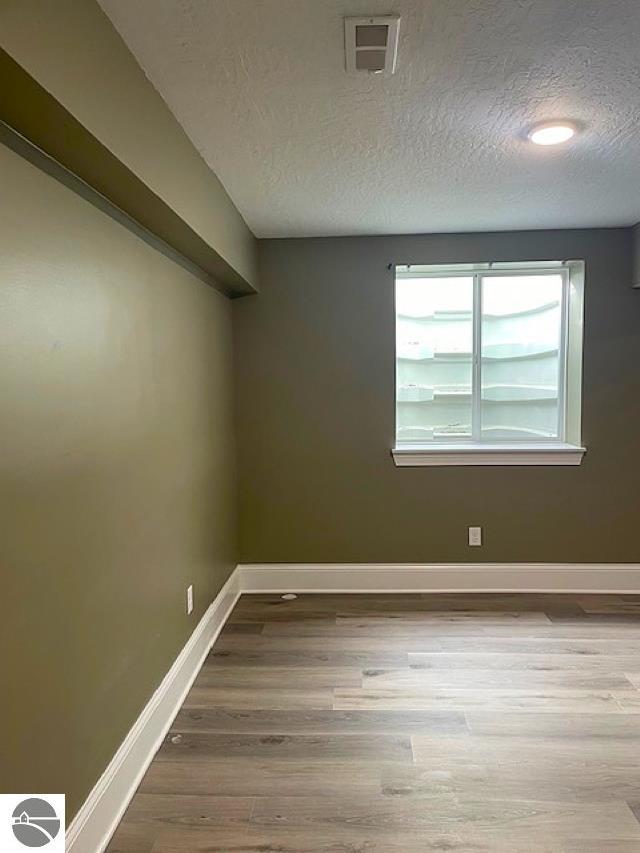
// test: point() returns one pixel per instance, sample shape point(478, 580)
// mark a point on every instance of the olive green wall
point(117, 483)
point(71, 48)
point(315, 380)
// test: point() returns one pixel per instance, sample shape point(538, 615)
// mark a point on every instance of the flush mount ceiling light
point(551, 132)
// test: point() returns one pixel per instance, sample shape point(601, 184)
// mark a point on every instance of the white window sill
point(487, 454)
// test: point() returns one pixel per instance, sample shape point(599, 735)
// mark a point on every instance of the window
point(489, 364)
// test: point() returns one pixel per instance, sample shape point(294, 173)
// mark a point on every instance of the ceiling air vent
point(372, 43)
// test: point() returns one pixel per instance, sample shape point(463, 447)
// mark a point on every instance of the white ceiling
point(305, 149)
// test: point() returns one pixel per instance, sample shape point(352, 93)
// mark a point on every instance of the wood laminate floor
point(405, 724)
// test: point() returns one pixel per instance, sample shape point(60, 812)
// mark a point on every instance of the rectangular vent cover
point(371, 44)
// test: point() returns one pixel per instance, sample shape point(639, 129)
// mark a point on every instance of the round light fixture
point(551, 132)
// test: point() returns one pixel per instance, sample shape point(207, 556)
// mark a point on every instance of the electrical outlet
point(189, 599)
point(475, 536)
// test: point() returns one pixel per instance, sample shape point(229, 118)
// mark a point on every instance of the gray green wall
point(315, 384)
point(117, 484)
point(636, 255)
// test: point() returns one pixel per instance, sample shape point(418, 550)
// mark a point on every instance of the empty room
point(319, 407)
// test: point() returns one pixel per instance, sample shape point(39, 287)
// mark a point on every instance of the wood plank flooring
point(405, 724)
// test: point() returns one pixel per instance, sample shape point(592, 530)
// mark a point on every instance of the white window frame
point(565, 450)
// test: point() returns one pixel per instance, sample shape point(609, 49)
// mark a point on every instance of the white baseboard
point(441, 577)
point(93, 826)
point(97, 819)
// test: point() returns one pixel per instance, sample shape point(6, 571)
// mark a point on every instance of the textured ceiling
point(305, 149)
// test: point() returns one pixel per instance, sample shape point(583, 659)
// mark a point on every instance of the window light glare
point(551, 133)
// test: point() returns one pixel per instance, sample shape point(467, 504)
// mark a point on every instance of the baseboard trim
point(96, 821)
point(441, 577)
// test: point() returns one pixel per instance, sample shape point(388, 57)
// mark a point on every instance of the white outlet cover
point(475, 536)
point(189, 599)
